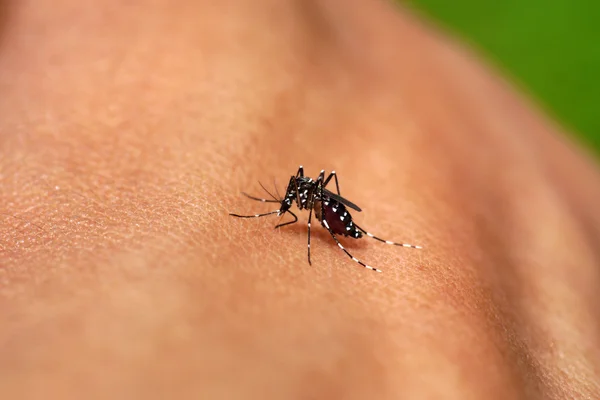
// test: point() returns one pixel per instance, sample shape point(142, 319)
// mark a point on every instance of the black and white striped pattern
point(412, 246)
point(330, 209)
point(347, 252)
point(255, 215)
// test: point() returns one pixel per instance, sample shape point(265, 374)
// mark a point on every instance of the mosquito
point(331, 209)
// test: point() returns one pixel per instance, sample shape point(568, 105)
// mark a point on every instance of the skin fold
point(128, 131)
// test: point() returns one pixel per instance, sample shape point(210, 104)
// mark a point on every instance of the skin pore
point(128, 130)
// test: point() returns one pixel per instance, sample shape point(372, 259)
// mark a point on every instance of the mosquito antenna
point(259, 199)
point(276, 190)
point(270, 194)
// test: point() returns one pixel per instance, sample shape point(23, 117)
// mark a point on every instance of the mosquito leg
point(346, 251)
point(288, 223)
point(300, 173)
point(309, 218)
point(321, 177)
point(337, 185)
point(255, 215)
point(387, 241)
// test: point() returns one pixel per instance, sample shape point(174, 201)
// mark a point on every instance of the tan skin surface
point(127, 133)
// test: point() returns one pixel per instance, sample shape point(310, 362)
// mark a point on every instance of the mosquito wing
point(342, 200)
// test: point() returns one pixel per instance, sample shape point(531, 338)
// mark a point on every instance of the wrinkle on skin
point(127, 133)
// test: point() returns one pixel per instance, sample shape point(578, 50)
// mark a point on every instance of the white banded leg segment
point(309, 219)
point(350, 255)
point(337, 184)
point(255, 215)
point(387, 241)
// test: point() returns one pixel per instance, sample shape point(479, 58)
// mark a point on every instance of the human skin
point(128, 130)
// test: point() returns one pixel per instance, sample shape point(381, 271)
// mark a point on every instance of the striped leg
point(288, 223)
point(346, 251)
point(386, 241)
point(337, 185)
point(255, 215)
point(309, 218)
point(321, 177)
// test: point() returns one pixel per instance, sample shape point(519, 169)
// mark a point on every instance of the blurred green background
point(550, 48)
